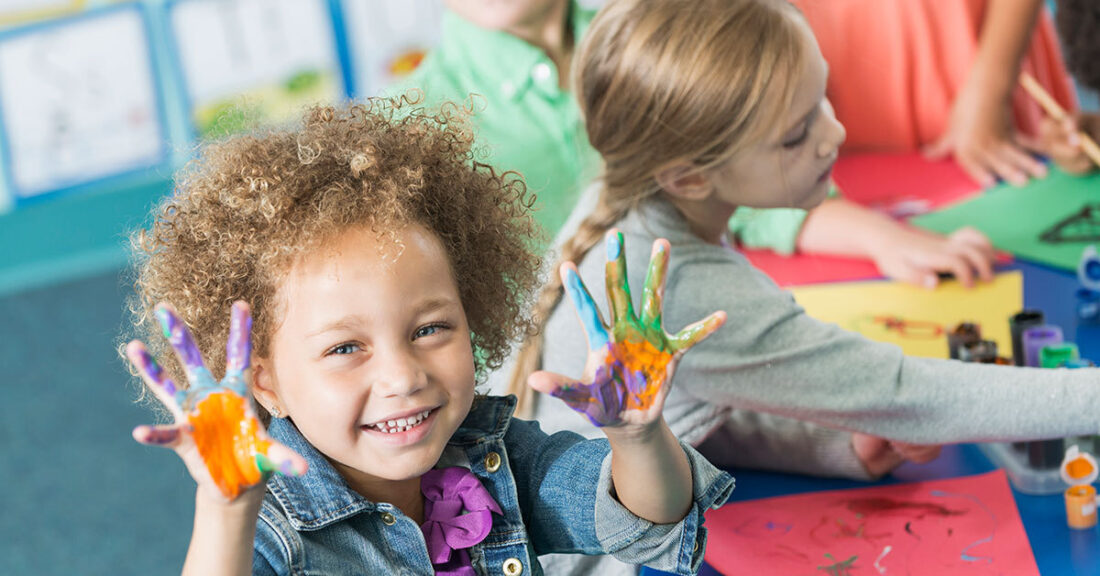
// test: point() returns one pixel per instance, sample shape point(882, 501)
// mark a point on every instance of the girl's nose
point(835, 135)
point(401, 375)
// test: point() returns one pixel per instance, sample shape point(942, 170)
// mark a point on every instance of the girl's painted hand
point(1062, 143)
point(880, 456)
point(918, 256)
point(631, 361)
point(981, 136)
point(215, 433)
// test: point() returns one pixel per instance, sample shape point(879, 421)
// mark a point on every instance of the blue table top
point(1058, 549)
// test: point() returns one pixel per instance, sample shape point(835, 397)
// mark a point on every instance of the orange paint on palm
point(641, 361)
point(228, 441)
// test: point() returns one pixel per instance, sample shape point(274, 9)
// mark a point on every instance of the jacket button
point(513, 567)
point(492, 464)
point(388, 519)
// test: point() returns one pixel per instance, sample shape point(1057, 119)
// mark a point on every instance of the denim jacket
point(555, 492)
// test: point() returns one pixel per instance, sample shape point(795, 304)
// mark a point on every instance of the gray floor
point(79, 495)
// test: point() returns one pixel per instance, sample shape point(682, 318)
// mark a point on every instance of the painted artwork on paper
point(914, 318)
point(966, 525)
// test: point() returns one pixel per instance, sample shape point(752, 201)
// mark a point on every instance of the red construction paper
point(966, 525)
point(901, 185)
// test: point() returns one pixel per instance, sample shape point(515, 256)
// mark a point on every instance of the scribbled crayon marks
point(838, 568)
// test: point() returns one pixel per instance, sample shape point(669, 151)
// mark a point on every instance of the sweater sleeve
point(773, 228)
point(771, 356)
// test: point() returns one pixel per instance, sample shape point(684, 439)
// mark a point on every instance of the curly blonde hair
point(245, 208)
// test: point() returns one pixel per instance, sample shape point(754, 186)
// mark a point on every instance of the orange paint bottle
point(1079, 470)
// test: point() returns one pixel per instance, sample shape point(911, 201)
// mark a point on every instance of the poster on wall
point(251, 62)
point(389, 38)
point(79, 101)
point(21, 11)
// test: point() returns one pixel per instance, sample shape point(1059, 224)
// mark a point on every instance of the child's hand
point(981, 137)
point(215, 432)
point(629, 365)
point(917, 256)
point(880, 456)
point(1062, 143)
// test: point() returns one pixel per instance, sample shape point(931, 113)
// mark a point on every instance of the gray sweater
point(771, 357)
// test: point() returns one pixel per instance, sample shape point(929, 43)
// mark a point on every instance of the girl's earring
point(275, 412)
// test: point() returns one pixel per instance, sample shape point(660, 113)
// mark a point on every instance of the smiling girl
point(385, 269)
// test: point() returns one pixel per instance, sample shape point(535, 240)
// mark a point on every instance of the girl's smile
point(403, 430)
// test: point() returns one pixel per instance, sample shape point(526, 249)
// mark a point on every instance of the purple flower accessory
point(447, 531)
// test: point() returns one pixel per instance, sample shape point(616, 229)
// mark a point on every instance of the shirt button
point(541, 72)
point(508, 89)
point(513, 567)
point(492, 462)
point(388, 519)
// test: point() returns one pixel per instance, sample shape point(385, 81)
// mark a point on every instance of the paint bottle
point(1079, 470)
point(1034, 338)
point(1019, 322)
point(1042, 454)
point(982, 352)
point(1058, 355)
point(962, 335)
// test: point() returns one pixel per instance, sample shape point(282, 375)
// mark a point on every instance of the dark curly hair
point(245, 208)
point(1079, 26)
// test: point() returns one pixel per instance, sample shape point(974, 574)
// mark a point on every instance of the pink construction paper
point(966, 525)
point(901, 185)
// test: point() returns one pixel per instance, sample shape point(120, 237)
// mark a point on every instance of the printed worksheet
point(389, 38)
point(79, 101)
point(252, 62)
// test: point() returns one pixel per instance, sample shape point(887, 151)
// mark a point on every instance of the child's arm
point(1063, 144)
point(909, 254)
point(629, 366)
point(980, 128)
point(219, 439)
point(223, 533)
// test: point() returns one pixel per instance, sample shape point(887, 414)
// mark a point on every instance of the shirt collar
point(321, 497)
point(658, 212)
point(498, 60)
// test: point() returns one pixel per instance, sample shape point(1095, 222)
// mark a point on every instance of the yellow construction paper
point(917, 319)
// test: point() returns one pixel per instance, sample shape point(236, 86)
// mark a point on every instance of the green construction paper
point(1015, 217)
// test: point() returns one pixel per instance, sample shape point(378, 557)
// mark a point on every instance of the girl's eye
point(428, 330)
point(342, 349)
point(800, 139)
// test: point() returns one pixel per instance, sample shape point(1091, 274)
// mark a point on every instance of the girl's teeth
point(402, 424)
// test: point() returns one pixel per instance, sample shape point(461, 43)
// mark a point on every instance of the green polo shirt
point(527, 123)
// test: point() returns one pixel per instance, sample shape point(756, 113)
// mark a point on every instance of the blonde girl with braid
point(698, 107)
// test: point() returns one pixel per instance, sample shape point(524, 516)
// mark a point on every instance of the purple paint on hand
point(180, 338)
point(238, 351)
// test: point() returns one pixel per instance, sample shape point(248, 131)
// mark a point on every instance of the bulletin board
point(388, 39)
point(253, 62)
point(79, 101)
